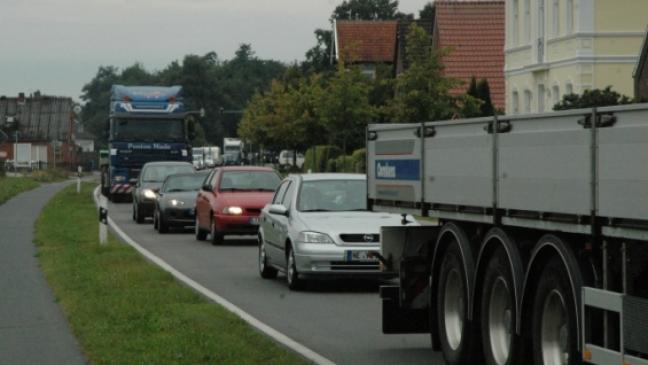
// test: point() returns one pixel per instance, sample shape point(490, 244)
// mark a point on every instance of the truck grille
point(360, 237)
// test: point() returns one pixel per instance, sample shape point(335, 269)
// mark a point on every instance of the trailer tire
point(456, 333)
point(554, 329)
point(498, 311)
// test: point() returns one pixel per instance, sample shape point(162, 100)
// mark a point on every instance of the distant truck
point(206, 157)
point(232, 151)
point(146, 123)
point(540, 255)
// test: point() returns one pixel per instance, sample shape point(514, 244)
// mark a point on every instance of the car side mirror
point(160, 194)
point(278, 209)
point(206, 188)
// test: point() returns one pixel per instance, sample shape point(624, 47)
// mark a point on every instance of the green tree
point(483, 93)
point(592, 98)
point(318, 58)
point(366, 10)
point(422, 92)
point(427, 13)
point(344, 108)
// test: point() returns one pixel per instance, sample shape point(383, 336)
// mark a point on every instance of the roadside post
point(103, 220)
point(79, 172)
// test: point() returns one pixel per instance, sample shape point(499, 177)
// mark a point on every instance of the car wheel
point(266, 271)
point(156, 225)
point(292, 276)
point(216, 236)
point(138, 217)
point(201, 235)
point(163, 227)
point(134, 209)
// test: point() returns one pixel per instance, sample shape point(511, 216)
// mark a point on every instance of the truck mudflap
point(633, 331)
point(407, 250)
point(399, 320)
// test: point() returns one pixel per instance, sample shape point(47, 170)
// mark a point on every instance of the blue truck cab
point(146, 123)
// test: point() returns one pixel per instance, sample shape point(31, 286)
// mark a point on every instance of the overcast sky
point(56, 46)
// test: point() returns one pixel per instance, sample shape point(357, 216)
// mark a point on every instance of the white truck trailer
point(540, 255)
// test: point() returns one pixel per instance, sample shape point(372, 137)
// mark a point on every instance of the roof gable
point(365, 41)
point(474, 31)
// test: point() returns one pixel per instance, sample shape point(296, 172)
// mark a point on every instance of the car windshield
point(158, 173)
point(178, 183)
point(158, 130)
point(249, 180)
point(332, 196)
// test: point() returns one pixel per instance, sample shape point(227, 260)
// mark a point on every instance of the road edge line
point(264, 328)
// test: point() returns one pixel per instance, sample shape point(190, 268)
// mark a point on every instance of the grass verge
point(12, 186)
point(125, 310)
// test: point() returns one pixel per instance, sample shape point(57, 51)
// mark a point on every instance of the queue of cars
point(308, 226)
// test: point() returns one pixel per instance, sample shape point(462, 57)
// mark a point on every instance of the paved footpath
point(32, 327)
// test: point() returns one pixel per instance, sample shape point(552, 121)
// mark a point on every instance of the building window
point(527, 21)
point(516, 102)
point(515, 27)
point(555, 15)
point(527, 101)
point(555, 92)
point(569, 17)
point(569, 89)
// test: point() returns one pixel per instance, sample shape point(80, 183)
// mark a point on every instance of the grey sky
point(56, 46)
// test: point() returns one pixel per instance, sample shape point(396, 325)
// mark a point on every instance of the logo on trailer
point(398, 170)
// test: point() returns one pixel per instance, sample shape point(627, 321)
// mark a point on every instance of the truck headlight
point(177, 203)
point(148, 193)
point(233, 210)
point(314, 237)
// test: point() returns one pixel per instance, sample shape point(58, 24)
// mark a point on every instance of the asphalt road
point(340, 320)
point(32, 327)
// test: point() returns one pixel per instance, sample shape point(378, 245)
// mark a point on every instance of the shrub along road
point(339, 320)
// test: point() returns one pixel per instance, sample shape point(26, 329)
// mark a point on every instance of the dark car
point(149, 182)
point(176, 202)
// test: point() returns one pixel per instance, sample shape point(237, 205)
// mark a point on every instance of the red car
point(231, 200)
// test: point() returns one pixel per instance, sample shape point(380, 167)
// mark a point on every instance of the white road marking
point(267, 330)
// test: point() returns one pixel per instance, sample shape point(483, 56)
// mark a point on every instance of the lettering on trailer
point(398, 170)
point(151, 146)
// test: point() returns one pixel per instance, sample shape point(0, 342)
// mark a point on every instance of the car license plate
point(254, 221)
point(359, 256)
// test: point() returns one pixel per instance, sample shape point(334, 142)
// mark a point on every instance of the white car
point(318, 226)
point(286, 158)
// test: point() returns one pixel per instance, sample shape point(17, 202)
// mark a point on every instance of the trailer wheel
point(554, 323)
point(455, 331)
point(498, 311)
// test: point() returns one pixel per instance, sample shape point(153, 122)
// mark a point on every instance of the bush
point(317, 157)
point(355, 163)
point(49, 175)
point(2, 168)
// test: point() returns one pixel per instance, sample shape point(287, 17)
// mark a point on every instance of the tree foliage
point(366, 10)
point(592, 98)
point(427, 13)
point(422, 92)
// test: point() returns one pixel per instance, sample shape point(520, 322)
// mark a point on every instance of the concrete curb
point(264, 328)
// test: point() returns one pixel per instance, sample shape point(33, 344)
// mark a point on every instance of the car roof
point(197, 173)
point(246, 168)
point(332, 176)
point(167, 163)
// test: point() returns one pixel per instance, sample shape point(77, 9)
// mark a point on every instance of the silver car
point(318, 226)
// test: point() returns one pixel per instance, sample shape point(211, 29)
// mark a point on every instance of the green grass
point(12, 186)
point(125, 310)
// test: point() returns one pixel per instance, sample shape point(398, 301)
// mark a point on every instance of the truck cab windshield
point(162, 130)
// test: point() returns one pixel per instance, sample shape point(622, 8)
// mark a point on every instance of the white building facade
point(557, 47)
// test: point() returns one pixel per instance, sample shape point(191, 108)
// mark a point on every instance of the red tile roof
point(474, 30)
point(366, 41)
